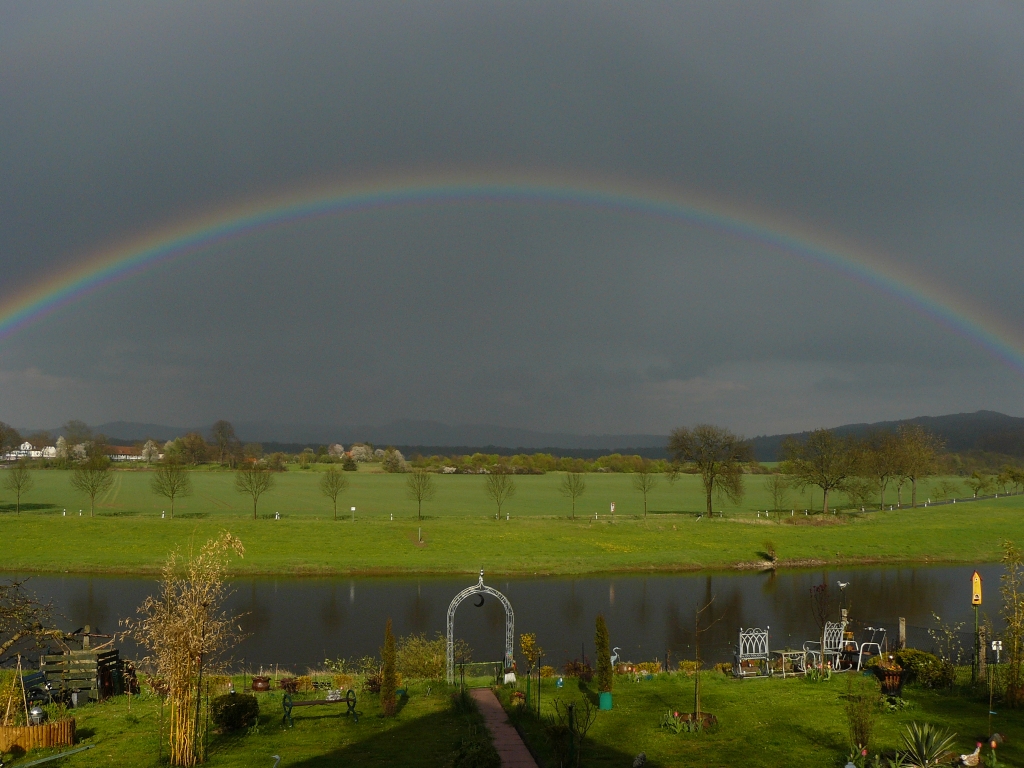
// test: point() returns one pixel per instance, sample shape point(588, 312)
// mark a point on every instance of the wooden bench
point(349, 699)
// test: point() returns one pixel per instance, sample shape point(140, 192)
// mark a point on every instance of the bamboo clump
point(184, 628)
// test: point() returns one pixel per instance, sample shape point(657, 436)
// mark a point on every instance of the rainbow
point(116, 264)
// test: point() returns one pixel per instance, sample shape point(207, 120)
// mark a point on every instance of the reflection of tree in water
point(89, 609)
point(572, 607)
point(333, 612)
point(417, 613)
point(256, 615)
point(640, 607)
point(722, 617)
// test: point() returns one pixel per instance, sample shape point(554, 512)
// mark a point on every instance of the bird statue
point(843, 584)
point(640, 760)
point(974, 758)
point(615, 655)
point(277, 760)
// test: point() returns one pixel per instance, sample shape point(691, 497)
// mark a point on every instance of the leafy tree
point(572, 487)
point(172, 481)
point(225, 441)
point(644, 479)
point(348, 464)
point(18, 480)
point(980, 483)
point(254, 480)
point(150, 451)
point(393, 461)
point(918, 449)
point(604, 657)
point(332, 483)
point(194, 449)
point(77, 432)
point(718, 456)
point(823, 460)
point(9, 437)
point(420, 487)
point(389, 676)
point(499, 486)
point(92, 477)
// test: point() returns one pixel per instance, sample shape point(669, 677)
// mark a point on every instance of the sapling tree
point(499, 486)
point(644, 479)
point(822, 606)
point(332, 483)
point(824, 460)
point(172, 481)
point(254, 480)
point(777, 487)
point(420, 487)
point(92, 477)
point(18, 480)
point(572, 487)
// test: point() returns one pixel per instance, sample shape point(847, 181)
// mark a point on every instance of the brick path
point(513, 752)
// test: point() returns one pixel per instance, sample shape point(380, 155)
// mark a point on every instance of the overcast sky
point(896, 126)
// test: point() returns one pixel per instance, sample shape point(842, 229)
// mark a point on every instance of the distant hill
point(962, 432)
point(979, 431)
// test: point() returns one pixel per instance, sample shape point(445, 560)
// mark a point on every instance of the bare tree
point(184, 628)
point(572, 487)
point(644, 479)
point(499, 486)
point(254, 480)
point(332, 483)
point(18, 480)
point(880, 461)
point(420, 487)
point(171, 480)
point(778, 489)
point(92, 477)
point(823, 460)
point(918, 450)
point(717, 454)
point(77, 432)
point(22, 618)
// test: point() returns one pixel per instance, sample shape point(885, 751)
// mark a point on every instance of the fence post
point(903, 632)
point(982, 656)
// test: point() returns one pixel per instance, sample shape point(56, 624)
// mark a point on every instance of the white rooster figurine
point(974, 758)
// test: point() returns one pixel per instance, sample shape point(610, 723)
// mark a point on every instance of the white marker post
point(353, 514)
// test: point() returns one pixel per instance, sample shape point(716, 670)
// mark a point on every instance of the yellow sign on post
point(976, 589)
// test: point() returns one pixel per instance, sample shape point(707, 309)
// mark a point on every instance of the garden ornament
point(640, 760)
point(615, 655)
point(277, 760)
point(974, 758)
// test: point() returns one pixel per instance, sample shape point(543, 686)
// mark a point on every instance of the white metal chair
point(834, 646)
point(874, 643)
point(753, 647)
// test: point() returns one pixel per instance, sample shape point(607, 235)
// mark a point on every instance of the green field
point(460, 533)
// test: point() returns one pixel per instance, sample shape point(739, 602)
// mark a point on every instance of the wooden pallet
point(98, 674)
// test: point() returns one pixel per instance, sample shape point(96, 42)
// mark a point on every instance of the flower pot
point(605, 700)
point(260, 683)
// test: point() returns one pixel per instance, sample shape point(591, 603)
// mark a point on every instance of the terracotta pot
point(260, 683)
point(26, 737)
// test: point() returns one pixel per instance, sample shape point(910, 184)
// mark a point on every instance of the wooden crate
point(97, 674)
point(26, 737)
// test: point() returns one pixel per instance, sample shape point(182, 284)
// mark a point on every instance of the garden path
point(510, 746)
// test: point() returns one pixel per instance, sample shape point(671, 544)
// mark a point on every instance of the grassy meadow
point(459, 532)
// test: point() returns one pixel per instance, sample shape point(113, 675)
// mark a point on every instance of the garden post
point(982, 656)
point(903, 632)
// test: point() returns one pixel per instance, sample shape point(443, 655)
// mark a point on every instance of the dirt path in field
point(510, 746)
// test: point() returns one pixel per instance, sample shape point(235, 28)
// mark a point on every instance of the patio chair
point(834, 646)
point(872, 647)
point(753, 659)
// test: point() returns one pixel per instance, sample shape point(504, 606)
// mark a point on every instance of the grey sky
point(896, 126)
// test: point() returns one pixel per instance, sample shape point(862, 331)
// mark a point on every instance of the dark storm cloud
point(897, 127)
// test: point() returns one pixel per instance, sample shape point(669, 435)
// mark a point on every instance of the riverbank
point(298, 545)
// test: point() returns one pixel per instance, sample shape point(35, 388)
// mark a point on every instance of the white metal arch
point(479, 589)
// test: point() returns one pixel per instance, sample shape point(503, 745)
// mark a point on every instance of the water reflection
point(298, 622)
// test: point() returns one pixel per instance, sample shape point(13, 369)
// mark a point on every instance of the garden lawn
point(769, 723)
point(460, 534)
point(422, 735)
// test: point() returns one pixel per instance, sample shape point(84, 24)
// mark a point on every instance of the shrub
point(343, 681)
point(289, 684)
point(235, 711)
point(475, 752)
point(580, 669)
point(547, 671)
point(926, 669)
point(421, 658)
point(861, 704)
point(688, 667)
point(348, 464)
point(649, 667)
point(389, 676)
